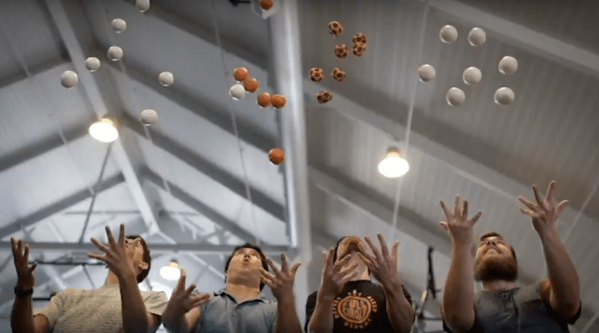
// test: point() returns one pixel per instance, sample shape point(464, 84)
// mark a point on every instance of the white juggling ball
point(92, 64)
point(508, 65)
point(477, 37)
point(504, 96)
point(426, 73)
point(237, 91)
point(119, 25)
point(142, 5)
point(455, 97)
point(166, 79)
point(115, 53)
point(448, 34)
point(472, 75)
point(148, 117)
point(69, 79)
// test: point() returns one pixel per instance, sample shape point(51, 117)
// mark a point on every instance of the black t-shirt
point(360, 307)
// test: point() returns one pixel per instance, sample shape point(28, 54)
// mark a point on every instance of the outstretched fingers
point(446, 210)
point(562, 206)
point(457, 209)
point(538, 197)
point(474, 219)
point(527, 203)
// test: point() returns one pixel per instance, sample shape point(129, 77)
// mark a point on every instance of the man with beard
point(502, 305)
point(240, 307)
point(348, 301)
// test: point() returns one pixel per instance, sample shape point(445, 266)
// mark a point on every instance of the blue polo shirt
point(224, 314)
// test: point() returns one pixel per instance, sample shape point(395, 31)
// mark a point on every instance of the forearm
point(21, 319)
point(135, 316)
point(562, 273)
point(399, 310)
point(174, 321)
point(287, 319)
point(322, 317)
point(458, 295)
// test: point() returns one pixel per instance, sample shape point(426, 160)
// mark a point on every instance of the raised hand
point(281, 280)
point(382, 263)
point(334, 276)
point(182, 301)
point(115, 255)
point(546, 210)
point(458, 225)
point(24, 271)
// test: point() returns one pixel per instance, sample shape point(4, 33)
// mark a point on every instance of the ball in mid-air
point(341, 51)
point(504, 96)
point(335, 28)
point(448, 34)
point(508, 65)
point(69, 79)
point(426, 73)
point(359, 38)
point(148, 117)
point(92, 64)
point(276, 156)
point(115, 53)
point(251, 84)
point(472, 75)
point(359, 49)
point(166, 79)
point(119, 25)
point(477, 37)
point(278, 101)
point(316, 74)
point(142, 5)
point(266, 4)
point(237, 91)
point(338, 74)
point(455, 96)
point(264, 99)
point(241, 74)
point(324, 97)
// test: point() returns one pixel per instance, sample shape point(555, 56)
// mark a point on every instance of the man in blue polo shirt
point(240, 307)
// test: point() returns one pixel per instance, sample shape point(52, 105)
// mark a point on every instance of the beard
point(494, 268)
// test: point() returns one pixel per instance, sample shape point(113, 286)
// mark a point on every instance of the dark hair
point(248, 246)
point(496, 234)
point(143, 274)
point(337, 247)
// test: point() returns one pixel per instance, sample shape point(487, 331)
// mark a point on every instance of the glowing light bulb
point(104, 130)
point(171, 272)
point(394, 165)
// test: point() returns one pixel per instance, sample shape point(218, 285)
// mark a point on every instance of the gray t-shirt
point(224, 314)
point(76, 310)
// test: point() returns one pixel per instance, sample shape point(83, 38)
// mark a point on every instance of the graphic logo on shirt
point(354, 309)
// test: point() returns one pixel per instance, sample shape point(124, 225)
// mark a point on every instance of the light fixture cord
point(234, 121)
point(409, 123)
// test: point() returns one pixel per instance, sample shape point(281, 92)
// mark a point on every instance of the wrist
point(392, 286)
point(21, 292)
point(549, 233)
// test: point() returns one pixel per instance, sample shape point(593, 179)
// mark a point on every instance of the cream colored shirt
point(76, 310)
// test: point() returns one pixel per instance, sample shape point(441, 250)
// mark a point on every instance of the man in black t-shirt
point(348, 301)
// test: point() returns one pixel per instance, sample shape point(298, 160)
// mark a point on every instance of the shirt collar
point(262, 298)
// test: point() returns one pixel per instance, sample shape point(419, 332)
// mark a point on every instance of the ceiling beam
point(409, 225)
point(60, 205)
point(36, 70)
point(206, 167)
point(43, 146)
point(465, 166)
point(218, 117)
point(204, 248)
point(247, 52)
point(198, 206)
point(89, 85)
point(522, 36)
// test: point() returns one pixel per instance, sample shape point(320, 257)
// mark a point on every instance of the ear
point(143, 266)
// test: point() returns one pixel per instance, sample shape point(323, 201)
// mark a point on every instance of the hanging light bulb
point(104, 130)
point(171, 272)
point(394, 165)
